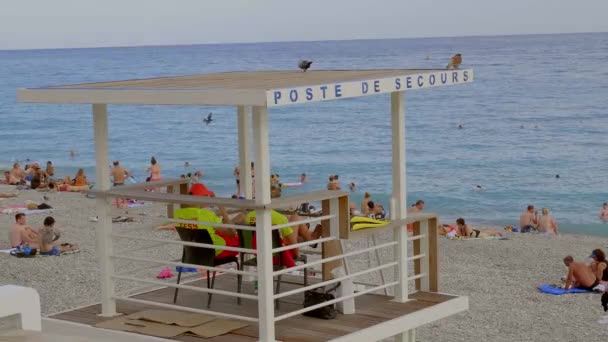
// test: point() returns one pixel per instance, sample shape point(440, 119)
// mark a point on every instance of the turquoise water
point(556, 86)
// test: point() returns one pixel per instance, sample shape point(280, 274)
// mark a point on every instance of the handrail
point(333, 258)
point(182, 264)
point(293, 223)
point(185, 243)
point(139, 186)
point(314, 196)
point(303, 244)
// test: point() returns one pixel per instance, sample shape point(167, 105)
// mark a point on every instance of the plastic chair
point(204, 257)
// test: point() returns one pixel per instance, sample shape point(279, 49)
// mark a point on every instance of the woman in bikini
point(154, 170)
point(463, 230)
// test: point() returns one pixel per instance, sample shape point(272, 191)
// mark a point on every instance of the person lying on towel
point(464, 231)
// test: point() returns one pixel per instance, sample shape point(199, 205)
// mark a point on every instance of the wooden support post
point(433, 252)
point(170, 209)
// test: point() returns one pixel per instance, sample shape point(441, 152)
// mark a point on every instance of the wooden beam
point(433, 238)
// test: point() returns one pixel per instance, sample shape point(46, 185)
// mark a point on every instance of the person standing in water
point(604, 213)
point(237, 174)
point(154, 170)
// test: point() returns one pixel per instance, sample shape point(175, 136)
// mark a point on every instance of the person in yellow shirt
point(219, 236)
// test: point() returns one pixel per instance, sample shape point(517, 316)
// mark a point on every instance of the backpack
point(317, 296)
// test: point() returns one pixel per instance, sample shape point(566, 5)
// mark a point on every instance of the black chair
point(246, 241)
point(204, 257)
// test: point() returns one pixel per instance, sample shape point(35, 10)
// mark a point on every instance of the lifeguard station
point(371, 316)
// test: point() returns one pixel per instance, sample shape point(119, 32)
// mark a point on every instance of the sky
point(30, 24)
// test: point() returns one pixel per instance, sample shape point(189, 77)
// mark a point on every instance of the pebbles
point(499, 277)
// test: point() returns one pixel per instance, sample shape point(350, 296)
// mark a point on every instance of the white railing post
point(399, 192)
point(245, 180)
point(263, 226)
point(424, 261)
point(104, 225)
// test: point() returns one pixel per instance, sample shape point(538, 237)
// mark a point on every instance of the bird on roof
point(208, 119)
point(304, 65)
point(455, 62)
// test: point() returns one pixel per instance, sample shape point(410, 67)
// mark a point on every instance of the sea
point(538, 108)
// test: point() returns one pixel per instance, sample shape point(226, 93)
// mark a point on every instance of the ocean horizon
point(536, 109)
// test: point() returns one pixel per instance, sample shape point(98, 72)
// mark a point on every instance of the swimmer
point(522, 126)
point(303, 178)
point(186, 165)
point(72, 154)
point(352, 186)
point(460, 127)
point(478, 188)
point(556, 176)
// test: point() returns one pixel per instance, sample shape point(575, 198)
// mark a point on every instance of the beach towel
point(482, 238)
point(558, 291)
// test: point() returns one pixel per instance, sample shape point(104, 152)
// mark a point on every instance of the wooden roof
point(257, 88)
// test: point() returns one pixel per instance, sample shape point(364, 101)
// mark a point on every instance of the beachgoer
point(599, 266)
point(7, 195)
point(352, 206)
point(303, 178)
point(336, 182)
point(72, 154)
point(352, 186)
point(237, 174)
point(80, 179)
point(119, 174)
point(16, 175)
point(579, 275)
point(154, 170)
point(416, 208)
point(220, 236)
point(288, 234)
point(528, 219)
point(48, 235)
point(463, 230)
point(547, 223)
point(50, 170)
point(604, 213)
point(330, 183)
point(364, 208)
point(38, 178)
point(20, 233)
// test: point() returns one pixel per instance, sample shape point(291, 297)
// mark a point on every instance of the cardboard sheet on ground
point(557, 291)
point(184, 319)
point(217, 327)
point(141, 323)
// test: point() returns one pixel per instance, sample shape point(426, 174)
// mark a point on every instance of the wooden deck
point(371, 310)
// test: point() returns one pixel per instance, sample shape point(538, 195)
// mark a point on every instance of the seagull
point(455, 62)
point(209, 119)
point(304, 65)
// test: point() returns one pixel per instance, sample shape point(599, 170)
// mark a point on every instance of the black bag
point(317, 296)
point(44, 206)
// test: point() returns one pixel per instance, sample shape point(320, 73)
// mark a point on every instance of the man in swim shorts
point(528, 220)
point(579, 275)
point(20, 233)
point(119, 174)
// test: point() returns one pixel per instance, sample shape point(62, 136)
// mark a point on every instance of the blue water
point(558, 83)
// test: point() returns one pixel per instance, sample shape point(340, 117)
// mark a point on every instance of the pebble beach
point(500, 277)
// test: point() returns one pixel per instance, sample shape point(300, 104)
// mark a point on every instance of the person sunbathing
point(22, 234)
point(7, 195)
point(579, 275)
point(465, 231)
point(547, 223)
point(16, 175)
